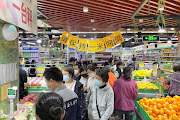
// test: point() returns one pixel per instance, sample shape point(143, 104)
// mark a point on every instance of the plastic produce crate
point(143, 112)
point(149, 90)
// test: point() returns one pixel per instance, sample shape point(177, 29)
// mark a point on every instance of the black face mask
point(84, 75)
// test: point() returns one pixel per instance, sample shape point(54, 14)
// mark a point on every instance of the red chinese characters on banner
point(26, 14)
point(24, 20)
point(29, 17)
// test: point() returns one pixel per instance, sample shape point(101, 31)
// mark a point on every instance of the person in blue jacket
point(76, 86)
point(54, 80)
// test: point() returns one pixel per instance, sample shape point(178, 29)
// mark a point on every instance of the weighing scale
point(11, 94)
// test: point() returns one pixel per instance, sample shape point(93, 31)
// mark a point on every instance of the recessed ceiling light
point(161, 8)
point(39, 41)
point(128, 29)
point(94, 28)
point(172, 28)
point(140, 20)
point(85, 9)
point(169, 41)
point(92, 20)
point(161, 30)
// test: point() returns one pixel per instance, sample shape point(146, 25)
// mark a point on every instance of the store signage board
point(21, 13)
point(150, 38)
point(141, 65)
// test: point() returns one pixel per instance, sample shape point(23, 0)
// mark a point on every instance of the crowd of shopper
point(84, 92)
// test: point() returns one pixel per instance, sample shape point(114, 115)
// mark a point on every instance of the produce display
point(162, 109)
point(26, 109)
point(2, 116)
point(165, 86)
point(147, 85)
point(36, 82)
point(24, 113)
point(29, 99)
point(142, 73)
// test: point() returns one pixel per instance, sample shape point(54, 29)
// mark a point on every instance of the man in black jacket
point(22, 80)
point(119, 64)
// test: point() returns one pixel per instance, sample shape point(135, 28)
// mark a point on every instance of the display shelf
point(170, 52)
point(103, 56)
point(170, 56)
point(30, 57)
point(100, 61)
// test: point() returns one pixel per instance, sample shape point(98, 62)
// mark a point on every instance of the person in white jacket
point(100, 98)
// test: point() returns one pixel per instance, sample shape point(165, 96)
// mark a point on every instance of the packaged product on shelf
point(36, 82)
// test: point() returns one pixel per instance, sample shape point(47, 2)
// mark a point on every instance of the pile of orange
point(162, 109)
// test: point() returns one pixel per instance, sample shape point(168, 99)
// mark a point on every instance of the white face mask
point(91, 75)
point(75, 72)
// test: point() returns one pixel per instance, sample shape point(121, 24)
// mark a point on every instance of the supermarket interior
point(90, 60)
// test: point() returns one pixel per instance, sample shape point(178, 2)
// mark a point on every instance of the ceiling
point(109, 15)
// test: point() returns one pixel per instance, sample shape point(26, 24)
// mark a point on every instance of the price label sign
point(141, 65)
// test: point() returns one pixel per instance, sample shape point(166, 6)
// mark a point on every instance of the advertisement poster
point(21, 13)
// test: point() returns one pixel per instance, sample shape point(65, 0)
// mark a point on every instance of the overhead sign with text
point(150, 38)
point(22, 13)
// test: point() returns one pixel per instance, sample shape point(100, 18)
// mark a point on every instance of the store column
point(9, 68)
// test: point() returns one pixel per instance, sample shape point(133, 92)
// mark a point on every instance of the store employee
point(54, 80)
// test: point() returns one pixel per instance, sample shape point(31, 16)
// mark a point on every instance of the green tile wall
point(8, 54)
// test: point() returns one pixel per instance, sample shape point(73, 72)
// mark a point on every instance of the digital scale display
point(11, 92)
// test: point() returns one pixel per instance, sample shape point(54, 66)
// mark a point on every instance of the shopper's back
point(71, 103)
point(125, 93)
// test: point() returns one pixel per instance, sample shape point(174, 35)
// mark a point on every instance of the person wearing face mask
point(91, 69)
point(76, 71)
point(119, 67)
point(125, 92)
point(76, 86)
point(83, 77)
point(100, 98)
point(50, 106)
point(54, 80)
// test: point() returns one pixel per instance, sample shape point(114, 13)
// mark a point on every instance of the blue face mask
point(121, 67)
point(98, 83)
point(49, 89)
point(66, 78)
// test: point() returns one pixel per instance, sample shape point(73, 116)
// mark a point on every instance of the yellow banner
point(65, 37)
point(100, 45)
point(108, 42)
point(96, 45)
point(73, 42)
point(117, 37)
point(82, 45)
point(92, 46)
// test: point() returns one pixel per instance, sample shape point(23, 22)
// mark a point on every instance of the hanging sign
point(96, 45)
point(65, 37)
point(108, 42)
point(92, 46)
point(82, 45)
point(117, 37)
point(73, 42)
point(100, 45)
point(22, 13)
point(150, 38)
